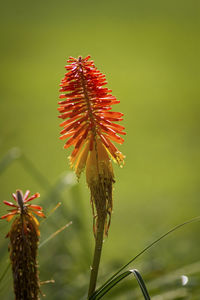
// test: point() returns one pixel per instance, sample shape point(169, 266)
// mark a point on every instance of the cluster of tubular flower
point(89, 126)
point(24, 236)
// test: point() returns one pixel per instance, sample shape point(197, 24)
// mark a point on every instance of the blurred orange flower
point(24, 236)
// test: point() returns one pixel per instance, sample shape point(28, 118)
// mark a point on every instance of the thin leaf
point(116, 280)
point(141, 284)
point(101, 292)
point(51, 212)
point(54, 234)
point(146, 248)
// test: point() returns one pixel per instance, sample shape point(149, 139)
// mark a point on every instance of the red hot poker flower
point(90, 127)
point(24, 236)
point(85, 109)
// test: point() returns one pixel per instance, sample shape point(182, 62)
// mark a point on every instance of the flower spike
point(85, 106)
point(90, 127)
point(24, 236)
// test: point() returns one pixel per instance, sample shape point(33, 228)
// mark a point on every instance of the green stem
point(97, 255)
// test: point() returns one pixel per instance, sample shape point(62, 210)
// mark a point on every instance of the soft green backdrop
point(149, 51)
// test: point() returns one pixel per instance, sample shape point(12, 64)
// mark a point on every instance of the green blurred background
point(149, 51)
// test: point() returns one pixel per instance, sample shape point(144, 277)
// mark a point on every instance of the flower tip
point(87, 57)
point(19, 193)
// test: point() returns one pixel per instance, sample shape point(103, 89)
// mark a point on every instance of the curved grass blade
point(146, 248)
point(141, 284)
point(99, 294)
point(116, 280)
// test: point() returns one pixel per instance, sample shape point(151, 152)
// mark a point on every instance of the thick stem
point(97, 254)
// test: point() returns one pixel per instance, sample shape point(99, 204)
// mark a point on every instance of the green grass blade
point(141, 284)
point(54, 234)
point(116, 280)
point(146, 248)
point(99, 294)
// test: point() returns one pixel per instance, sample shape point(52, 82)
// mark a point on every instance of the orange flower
point(89, 125)
point(86, 109)
point(24, 236)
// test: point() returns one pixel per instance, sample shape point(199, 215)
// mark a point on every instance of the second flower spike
point(24, 236)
